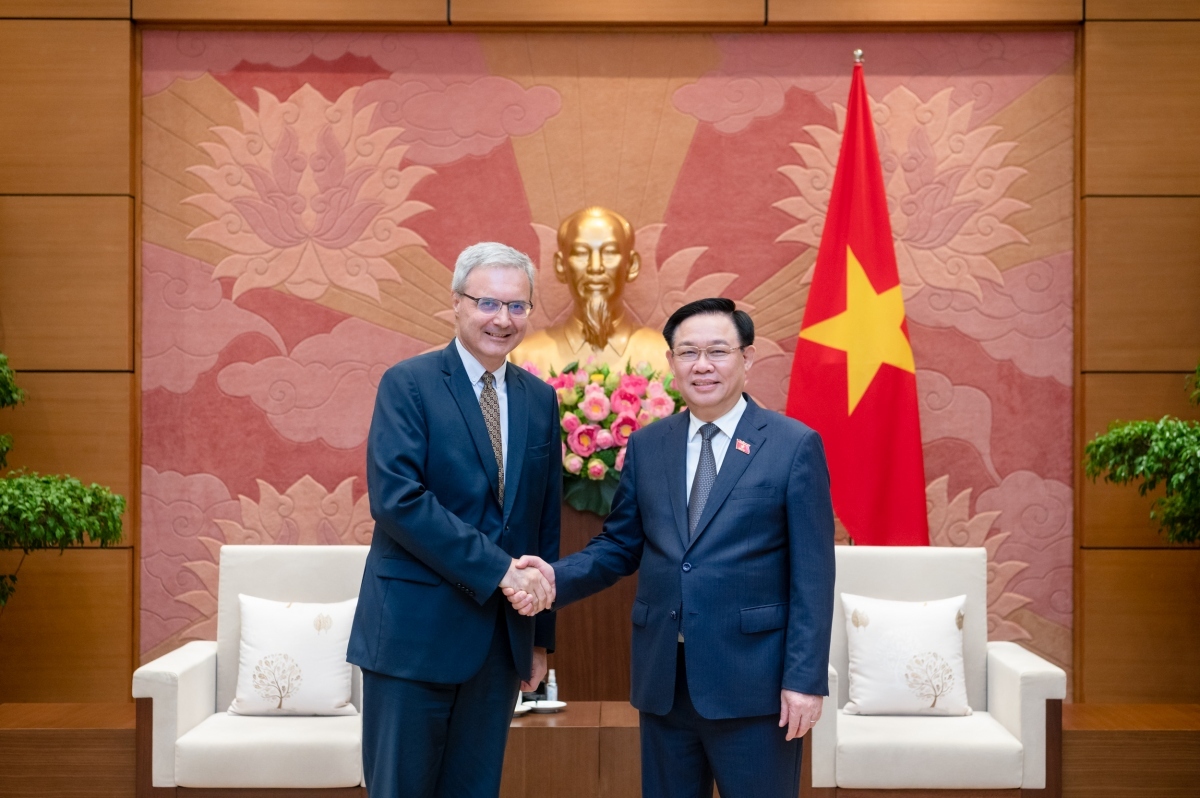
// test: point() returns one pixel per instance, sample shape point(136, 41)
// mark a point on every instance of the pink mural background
point(305, 196)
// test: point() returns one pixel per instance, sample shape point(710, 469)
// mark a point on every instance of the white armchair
point(185, 737)
point(1011, 742)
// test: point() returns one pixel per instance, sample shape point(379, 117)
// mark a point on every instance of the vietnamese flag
point(853, 377)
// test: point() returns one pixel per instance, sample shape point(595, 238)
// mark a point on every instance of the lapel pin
point(742, 446)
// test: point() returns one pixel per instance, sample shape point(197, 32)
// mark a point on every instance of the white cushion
point(292, 659)
point(280, 752)
point(913, 753)
point(906, 657)
point(282, 573)
point(916, 573)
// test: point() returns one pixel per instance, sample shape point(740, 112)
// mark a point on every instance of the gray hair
point(489, 253)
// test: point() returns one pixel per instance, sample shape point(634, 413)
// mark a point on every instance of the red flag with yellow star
point(853, 377)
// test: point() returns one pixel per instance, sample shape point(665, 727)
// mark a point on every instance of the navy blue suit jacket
point(753, 590)
point(442, 542)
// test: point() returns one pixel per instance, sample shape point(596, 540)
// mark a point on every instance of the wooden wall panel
point(64, 9)
point(1142, 281)
point(780, 11)
point(77, 423)
point(66, 94)
point(67, 633)
point(66, 283)
point(58, 750)
point(422, 11)
point(745, 12)
point(1143, 9)
point(1115, 515)
point(1142, 89)
point(1141, 626)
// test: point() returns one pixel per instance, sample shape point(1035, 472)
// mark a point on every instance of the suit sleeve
point(614, 553)
point(406, 510)
point(810, 550)
point(551, 525)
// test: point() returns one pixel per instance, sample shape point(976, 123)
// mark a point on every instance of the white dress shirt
point(475, 372)
point(727, 424)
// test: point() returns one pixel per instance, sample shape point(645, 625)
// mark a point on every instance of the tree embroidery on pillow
point(929, 676)
point(277, 677)
point(323, 623)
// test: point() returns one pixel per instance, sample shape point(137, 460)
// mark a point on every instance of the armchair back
point(916, 573)
point(279, 573)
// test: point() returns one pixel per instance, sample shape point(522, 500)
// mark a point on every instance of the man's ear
point(559, 269)
point(635, 267)
point(748, 354)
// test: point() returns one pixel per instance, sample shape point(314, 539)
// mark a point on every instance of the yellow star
point(868, 331)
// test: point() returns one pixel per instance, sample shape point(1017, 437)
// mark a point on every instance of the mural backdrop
point(305, 197)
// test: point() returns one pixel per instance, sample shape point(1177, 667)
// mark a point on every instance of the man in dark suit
point(464, 474)
point(726, 510)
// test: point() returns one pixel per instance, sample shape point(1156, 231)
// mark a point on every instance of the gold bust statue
point(595, 259)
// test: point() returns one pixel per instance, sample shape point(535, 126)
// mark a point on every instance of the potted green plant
point(46, 512)
point(1151, 454)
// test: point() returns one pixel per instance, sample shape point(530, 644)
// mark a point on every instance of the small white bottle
point(551, 686)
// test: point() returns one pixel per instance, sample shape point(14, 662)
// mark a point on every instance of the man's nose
point(595, 266)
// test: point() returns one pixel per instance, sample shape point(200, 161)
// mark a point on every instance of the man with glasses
point(726, 511)
point(464, 474)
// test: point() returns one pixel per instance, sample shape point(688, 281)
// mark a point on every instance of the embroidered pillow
point(906, 657)
point(292, 658)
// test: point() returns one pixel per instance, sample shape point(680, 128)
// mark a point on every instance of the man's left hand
point(539, 670)
point(799, 712)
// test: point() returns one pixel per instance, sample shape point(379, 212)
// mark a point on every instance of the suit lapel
point(518, 431)
point(734, 464)
point(675, 464)
point(460, 388)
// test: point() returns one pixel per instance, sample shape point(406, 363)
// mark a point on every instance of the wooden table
point(67, 750)
point(1120, 750)
point(589, 750)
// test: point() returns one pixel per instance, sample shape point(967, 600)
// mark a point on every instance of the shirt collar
point(475, 369)
point(726, 423)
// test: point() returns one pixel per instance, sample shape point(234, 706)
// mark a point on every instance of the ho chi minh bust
point(595, 258)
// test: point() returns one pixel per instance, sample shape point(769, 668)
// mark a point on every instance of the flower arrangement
point(598, 410)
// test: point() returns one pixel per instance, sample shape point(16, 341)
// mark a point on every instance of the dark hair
point(717, 305)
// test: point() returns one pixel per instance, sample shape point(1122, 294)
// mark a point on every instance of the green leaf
point(10, 394)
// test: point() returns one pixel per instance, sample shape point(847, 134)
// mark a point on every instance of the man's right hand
point(527, 586)
point(536, 572)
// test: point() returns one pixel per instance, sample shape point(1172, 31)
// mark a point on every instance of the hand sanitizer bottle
point(551, 686)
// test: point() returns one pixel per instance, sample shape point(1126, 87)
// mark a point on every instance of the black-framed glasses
point(715, 354)
point(490, 306)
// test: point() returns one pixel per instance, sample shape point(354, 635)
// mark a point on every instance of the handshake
point(529, 585)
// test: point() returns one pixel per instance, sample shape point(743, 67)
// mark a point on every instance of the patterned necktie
point(489, 403)
point(706, 475)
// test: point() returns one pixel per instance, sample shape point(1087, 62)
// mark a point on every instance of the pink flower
point(623, 427)
point(595, 406)
point(604, 439)
point(582, 440)
point(561, 381)
point(596, 469)
point(661, 406)
point(624, 401)
point(569, 422)
point(564, 445)
point(573, 463)
point(655, 388)
point(644, 417)
point(532, 369)
point(620, 464)
point(634, 383)
point(581, 377)
point(593, 387)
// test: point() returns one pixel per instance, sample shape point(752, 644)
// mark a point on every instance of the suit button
point(674, 615)
point(687, 566)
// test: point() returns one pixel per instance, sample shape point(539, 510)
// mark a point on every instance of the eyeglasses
point(716, 354)
point(490, 306)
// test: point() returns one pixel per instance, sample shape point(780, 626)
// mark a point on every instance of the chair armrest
point(183, 687)
point(1019, 683)
point(824, 738)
